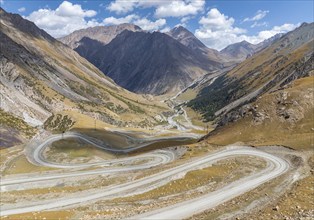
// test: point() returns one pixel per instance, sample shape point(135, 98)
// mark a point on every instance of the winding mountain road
point(154, 158)
point(275, 167)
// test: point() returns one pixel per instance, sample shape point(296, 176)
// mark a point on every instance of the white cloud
point(258, 16)
point(218, 31)
point(163, 8)
point(144, 23)
point(64, 20)
point(216, 21)
point(185, 19)
point(21, 9)
point(67, 9)
point(257, 24)
point(115, 21)
point(148, 25)
point(121, 6)
point(263, 35)
point(69, 17)
point(179, 8)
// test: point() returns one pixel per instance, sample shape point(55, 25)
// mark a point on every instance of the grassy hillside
point(287, 59)
point(41, 77)
point(13, 130)
point(284, 117)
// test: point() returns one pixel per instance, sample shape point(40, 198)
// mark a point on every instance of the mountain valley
point(180, 63)
point(119, 122)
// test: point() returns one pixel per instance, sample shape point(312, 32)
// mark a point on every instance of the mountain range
point(155, 63)
point(144, 62)
point(164, 93)
point(42, 77)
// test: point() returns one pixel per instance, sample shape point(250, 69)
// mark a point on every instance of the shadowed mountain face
point(88, 47)
point(186, 38)
point(147, 62)
point(286, 59)
point(154, 63)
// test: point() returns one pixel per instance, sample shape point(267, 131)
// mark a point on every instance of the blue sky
point(215, 23)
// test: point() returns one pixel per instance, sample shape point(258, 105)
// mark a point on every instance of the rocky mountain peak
point(183, 35)
point(180, 29)
point(103, 34)
point(244, 42)
point(188, 39)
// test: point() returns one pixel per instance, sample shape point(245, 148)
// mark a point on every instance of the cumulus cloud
point(121, 6)
point(218, 31)
point(148, 25)
point(170, 8)
point(69, 17)
point(258, 16)
point(116, 21)
point(21, 9)
point(216, 21)
point(263, 35)
point(179, 8)
point(64, 20)
point(144, 23)
point(67, 9)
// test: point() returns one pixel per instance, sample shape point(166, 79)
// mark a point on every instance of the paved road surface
point(276, 166)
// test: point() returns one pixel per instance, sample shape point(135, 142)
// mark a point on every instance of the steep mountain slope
point(284, 117)
point(102, 34)
point(41, 77)
point(186, 38)
point(148, 62)
point(13, 130)
point(287, 59)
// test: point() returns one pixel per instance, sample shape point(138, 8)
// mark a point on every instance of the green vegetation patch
point(59, 123)
point(7, 120)
point(214, 97)
point(74, 148)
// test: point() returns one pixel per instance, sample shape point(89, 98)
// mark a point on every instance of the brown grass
point(46, 215)
point(273, 131)
point(21, 165)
